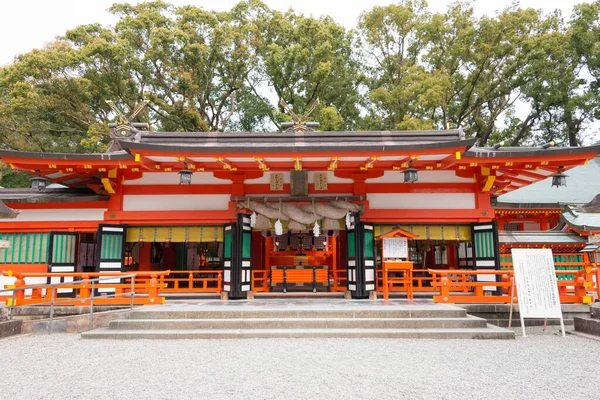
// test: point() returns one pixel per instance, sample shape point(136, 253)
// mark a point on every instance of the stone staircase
point(267, 320)
point(589, 325)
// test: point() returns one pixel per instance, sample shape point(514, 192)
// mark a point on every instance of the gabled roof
point(549, 238)
point(398, 233)
point(345, 153)
point(273, 142)
point(581, 221)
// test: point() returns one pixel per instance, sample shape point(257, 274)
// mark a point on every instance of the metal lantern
point(39, 183)
point(559, 179)
point(185, 176)
point(411, 175)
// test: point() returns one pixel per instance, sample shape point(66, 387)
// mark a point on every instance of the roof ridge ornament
point(300, 124)
point(124, 129)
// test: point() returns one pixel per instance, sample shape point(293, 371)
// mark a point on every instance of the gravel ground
point(543, 365)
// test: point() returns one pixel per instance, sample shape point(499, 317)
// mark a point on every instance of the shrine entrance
point(299, 262)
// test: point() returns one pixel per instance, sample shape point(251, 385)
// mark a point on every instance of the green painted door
point(62, 258)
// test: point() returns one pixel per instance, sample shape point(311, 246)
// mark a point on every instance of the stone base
point(224, 296)
point(372, 295)
point(3, 313)
point(10, 328)
point(347, 295)
point(595, 310)
point(590, 326)
point(250, 295)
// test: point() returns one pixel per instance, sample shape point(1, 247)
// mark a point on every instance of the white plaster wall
point(424, 177)
point(172, 178)
point(66, 214)
point(438, 201)
point(169, 202)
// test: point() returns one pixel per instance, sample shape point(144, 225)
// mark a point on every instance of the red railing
point(578, 290)
point(146, 290)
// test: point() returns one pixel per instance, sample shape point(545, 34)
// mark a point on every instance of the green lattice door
point(486, 251)
point(111, 252)
point(62, 258)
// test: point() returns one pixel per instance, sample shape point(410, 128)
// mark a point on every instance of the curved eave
point(539, 238)
point(582, 222)
point(21, 155)
point(297, 146)
point(533, 153)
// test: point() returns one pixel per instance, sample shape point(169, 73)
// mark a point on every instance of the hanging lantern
point(559, 179)
point(39, 183)
point(185, 176)
point(278, 228)
point(411, 175)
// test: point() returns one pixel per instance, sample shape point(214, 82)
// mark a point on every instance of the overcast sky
point(29, 24)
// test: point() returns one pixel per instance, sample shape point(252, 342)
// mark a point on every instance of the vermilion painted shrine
point(274, 212)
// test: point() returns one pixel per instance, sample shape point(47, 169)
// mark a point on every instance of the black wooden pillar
point(237, 268)
point(360, 257)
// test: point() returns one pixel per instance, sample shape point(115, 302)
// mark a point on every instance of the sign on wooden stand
point(4, 244)
point(537, 288)
point(395, 247)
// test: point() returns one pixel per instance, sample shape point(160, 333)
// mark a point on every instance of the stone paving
point(543, 365)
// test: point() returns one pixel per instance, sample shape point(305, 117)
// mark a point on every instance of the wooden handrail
point(571, 290)
point(82, 274)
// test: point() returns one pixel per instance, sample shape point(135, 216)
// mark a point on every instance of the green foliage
point(13, 179)
point(519, 76)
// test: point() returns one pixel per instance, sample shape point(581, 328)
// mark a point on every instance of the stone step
point(298, 323)
point(307, 313)
point(489, 332)
point(528, 322)
point(591, 326)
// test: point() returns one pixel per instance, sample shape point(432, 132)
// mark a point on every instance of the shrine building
point(273, 212)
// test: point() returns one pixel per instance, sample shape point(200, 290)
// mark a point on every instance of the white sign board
point(536, 284)
point(4, 244)
point(537, 287)
point(395, 247)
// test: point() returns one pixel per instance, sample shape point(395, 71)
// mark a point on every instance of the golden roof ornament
point(300, 124)
point(124, 128)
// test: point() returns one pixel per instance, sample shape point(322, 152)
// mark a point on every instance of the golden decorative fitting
point(333, 164)
point(225, 164)
point(370, 163)
point(261, 165)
